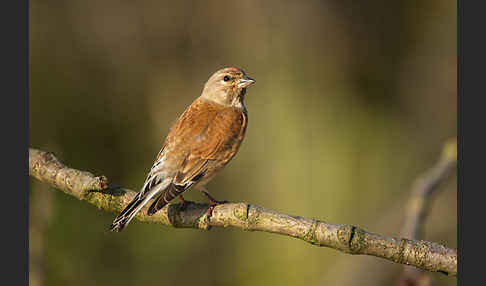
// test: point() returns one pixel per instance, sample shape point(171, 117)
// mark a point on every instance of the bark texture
point(421, 195)
point(350, 239)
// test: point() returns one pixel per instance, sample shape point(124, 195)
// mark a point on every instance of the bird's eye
point(226, 78)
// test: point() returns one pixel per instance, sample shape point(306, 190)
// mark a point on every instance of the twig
point(422, 192)
point(350, 239)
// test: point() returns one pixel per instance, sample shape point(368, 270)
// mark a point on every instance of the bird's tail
point(168, 195)
point(137, 203)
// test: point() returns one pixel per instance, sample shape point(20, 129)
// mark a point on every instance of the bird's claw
point(213, 203)
point(182, 204)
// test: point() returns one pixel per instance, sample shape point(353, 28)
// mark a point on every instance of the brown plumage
point(204, 139)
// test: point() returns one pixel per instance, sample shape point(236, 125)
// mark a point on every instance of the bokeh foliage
point(353, 100)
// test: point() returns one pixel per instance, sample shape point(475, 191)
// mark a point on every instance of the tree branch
point(422, 191)
point(424, 187)
point(350, 239)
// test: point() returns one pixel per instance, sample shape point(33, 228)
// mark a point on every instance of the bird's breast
point(207, 131)
point(238, 130)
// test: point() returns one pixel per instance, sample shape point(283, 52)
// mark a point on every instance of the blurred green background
point(353, 101)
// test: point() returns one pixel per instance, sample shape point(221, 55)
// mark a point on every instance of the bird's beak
point(245, 81)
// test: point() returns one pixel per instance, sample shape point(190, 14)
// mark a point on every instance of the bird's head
point(227, 87)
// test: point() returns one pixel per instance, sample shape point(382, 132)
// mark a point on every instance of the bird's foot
point(212, 203)
point(183, 203)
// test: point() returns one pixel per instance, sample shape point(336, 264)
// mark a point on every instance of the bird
point(206, 136)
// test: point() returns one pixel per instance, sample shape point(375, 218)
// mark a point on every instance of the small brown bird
point(204, 139)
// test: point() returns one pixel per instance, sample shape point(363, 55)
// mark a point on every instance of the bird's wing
point(157, 173)
point(209, 134)
point(205, 136)
point(156, 182)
